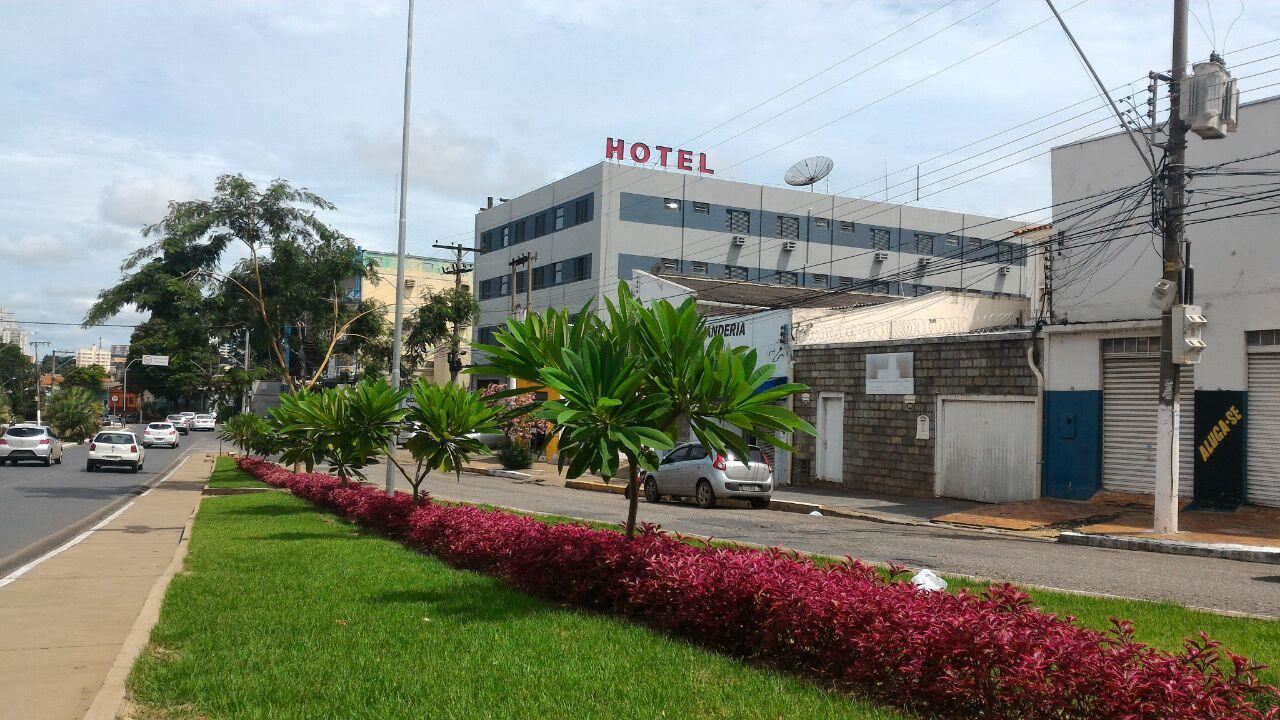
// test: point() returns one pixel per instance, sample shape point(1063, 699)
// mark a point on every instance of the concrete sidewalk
point(65, 620)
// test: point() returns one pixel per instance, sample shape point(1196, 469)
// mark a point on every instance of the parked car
point(179, 422)
point(203, 422)
point(117, 448)
point(689, 470)
point(30, 442)
point(493, 441)
point(160, 433)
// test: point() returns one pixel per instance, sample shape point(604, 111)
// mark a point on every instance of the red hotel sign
point(641, 153)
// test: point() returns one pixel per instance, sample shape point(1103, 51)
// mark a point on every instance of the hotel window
point(540, 225)
point(581, 211)
point(519, 235)
point(559, 223)
point(671, 203)
point(557, 273)
point(953, 241)
point(788, 227)
point(821, 280)
point(540, 277)
point(846, 281)
point(506, 237)
point(669, 265)
point(735, 272)
point(846, 226)
point(879, 239)
point(924, 244)
point(701, 208)
point(786, 277)
point(582, 268)
point(880, 287)
point(520, 280)
point(504, 286)
point(822, 223)
point(699, 267)
point(486, 241)
point(923, 290)
point(738, 221)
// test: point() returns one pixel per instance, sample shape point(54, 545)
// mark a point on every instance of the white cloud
point(136, 202)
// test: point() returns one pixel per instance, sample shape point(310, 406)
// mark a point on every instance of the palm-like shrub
point(74, 413)
point(347, 428)
point(626, 383)
point(444, 416)
point(250, 433)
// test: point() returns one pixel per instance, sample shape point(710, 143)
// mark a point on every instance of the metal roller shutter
point(1129, 400)
point(1262, 486)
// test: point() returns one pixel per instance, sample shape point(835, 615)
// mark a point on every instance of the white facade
point(597, 226)
point(1102, 323)
point(94, 356)
point(11, 333)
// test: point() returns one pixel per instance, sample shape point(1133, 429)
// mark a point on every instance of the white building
point(589, 230)
point(94, 356)
point(1101, 346)
point(11, 333)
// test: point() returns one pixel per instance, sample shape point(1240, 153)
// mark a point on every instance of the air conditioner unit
point(788, 245)
point(739, 241)
point(1004, 269)
point(881, 256)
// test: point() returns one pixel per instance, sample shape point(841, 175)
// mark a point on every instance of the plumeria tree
point(347, 428)
point(628, 382)
point(444, 418)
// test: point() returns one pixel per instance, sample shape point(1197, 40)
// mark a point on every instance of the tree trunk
point(633, 497)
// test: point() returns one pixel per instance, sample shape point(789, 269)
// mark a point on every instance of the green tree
point(629, 383)
point(6, 415)
point(74, 413)
point(287, 288)
point(443, 418)
point(17, 373)
point(249, 432)
point(440, 319)
point(90, 377)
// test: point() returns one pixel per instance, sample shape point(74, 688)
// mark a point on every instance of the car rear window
point(755, 455)
point(115, 438)
point(204, 417)
point(25, 432)
point(159, 426)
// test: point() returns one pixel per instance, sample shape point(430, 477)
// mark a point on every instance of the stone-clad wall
point(881, 452)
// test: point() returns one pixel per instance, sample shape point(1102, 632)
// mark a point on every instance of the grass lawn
point(287, 612)
point(227, 475)
point(1162, 625)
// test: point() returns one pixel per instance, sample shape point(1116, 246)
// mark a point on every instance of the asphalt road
point(37, 502)
point(1196, 582)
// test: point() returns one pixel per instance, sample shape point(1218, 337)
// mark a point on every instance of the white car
point(116, 448)
point(30, 442)
point(160, 433)
point(190, 416)
point(203, 422)
point(180, 422)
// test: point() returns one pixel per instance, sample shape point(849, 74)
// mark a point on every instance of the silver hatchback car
point(689, 470)
point(30, 442)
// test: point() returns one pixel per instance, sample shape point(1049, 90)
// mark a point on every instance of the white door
point(831, 437)
point(1130, 382)
point(986, 449)
point(1262, 484)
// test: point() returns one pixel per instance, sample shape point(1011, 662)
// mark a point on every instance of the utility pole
point(455, 340)
point(1167, 414)
point(39, 364)
point(244, 407)
point(525, 260)
point(397, 338)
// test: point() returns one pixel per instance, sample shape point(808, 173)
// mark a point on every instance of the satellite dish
point(809, 171)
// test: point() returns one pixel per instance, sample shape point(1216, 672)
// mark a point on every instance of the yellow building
point(420, 275)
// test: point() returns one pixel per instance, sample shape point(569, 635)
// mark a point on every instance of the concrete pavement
point(64, 620)
point(1210, 583)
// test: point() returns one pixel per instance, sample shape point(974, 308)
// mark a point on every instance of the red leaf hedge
point(960, 655)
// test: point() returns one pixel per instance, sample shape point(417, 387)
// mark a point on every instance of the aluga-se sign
point(663, 155)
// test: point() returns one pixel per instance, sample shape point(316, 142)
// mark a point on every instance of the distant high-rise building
point(11, 333)
point(94, 356)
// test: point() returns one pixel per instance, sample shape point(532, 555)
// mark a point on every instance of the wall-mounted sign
point(728, 329)
point(891, 374)
point(922, 427)
point(1220, 429)
point(661, 154)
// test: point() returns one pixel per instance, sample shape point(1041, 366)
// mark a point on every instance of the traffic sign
point(115, 398)
point(155, 360)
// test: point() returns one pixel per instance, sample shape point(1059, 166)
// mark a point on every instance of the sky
point(109, 110)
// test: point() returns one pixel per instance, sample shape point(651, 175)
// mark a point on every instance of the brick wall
point(881, 452)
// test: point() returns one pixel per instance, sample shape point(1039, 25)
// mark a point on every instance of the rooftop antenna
point(809, 171)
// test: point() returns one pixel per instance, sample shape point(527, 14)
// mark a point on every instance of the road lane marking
point(85, 535)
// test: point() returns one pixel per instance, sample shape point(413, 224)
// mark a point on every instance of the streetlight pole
point(125, 394)
point(36, 344)
point(397, 338)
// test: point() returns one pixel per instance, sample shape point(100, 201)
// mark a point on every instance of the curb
point(496, 472)
point(1243, 553)
point(214, 492)
point(111, 696)
point(44, 545)
point(595, 486)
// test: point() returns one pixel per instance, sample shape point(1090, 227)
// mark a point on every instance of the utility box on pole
point(1188, 322)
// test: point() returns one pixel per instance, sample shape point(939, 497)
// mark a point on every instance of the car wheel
point(59, 460)
point(651, 490)
point(136, 467)
point(705, 495)
point(48, 460)
point(759, 503)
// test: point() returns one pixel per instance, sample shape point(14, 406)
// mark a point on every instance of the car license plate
point(112, 457)
point(753, 488)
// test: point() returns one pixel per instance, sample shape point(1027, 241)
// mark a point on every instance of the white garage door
point(1262, 486)
point(986, 449)
point(1130, 382)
